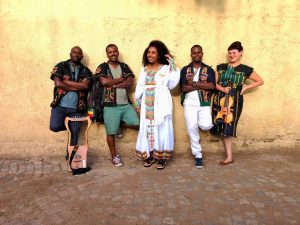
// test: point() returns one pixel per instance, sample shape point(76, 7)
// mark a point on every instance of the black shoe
point(161, 164)
point(198, 163)
point(149, 161)
point(80, 171)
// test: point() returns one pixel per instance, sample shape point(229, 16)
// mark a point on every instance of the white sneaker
point(117, 161)
point(119, 134)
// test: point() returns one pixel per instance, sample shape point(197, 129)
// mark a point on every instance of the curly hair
point(162, 50)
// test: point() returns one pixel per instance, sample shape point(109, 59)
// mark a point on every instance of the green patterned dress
point(233, 77)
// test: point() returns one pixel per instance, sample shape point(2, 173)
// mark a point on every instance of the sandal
point(149, 161)
point(161, 164)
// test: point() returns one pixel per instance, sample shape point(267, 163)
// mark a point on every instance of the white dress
point(156, 133)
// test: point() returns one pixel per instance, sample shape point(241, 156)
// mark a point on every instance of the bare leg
point(111, 144)
point(228, 148)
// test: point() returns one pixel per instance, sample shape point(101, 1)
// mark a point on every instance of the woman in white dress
point(157, 77)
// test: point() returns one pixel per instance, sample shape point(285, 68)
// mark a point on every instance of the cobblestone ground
point(256, 189)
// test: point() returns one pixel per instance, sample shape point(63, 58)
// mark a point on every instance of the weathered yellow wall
point(35, 35)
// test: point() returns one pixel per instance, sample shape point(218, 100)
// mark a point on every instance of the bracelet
point(171, 63)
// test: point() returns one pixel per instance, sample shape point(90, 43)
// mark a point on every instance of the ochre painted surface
point(35, 35)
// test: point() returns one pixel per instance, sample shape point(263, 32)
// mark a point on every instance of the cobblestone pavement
point(256, 189)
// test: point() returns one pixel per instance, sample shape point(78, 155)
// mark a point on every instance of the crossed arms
point(117, 83)
point(69, 85)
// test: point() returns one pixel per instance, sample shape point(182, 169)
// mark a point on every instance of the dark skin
point(112, 54)
point(76, 56)
point(196, 56)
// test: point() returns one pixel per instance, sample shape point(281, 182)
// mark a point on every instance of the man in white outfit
point(196, 81)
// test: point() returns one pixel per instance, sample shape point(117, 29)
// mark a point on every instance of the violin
point(225, 114)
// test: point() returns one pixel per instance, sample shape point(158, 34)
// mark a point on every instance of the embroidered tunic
point(156, 133)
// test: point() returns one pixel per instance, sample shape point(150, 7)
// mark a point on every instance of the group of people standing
point(211, 100)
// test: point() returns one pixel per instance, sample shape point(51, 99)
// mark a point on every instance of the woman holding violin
point(227, 102)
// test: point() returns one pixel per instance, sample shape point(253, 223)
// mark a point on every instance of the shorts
point(115, 114)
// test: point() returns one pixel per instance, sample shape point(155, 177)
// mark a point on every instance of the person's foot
point(117, 161)
point(198, 163)
point(120, 133)
point(149, 161)
point(161, 164)
point(226, 162)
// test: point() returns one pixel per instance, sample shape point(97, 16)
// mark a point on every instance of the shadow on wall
point(216, 5)
point(86, 60)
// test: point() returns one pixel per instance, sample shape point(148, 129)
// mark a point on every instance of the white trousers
point(197, 117)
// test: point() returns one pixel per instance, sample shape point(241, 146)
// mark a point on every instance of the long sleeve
point(174, 77)
point(140, 85)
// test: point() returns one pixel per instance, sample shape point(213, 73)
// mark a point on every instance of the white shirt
point(192, 97)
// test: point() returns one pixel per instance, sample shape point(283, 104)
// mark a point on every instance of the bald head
point(76, 54)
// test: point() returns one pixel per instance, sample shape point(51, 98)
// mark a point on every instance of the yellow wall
point(35, 35)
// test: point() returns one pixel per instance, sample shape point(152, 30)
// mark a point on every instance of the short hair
point(196, 46)
point(111, 45)
point(236, 45)
point(76, 47)
point(162, 50)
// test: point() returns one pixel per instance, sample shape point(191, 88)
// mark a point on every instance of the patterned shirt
point(110, 93)
point(206, 75)
point(63, 69)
